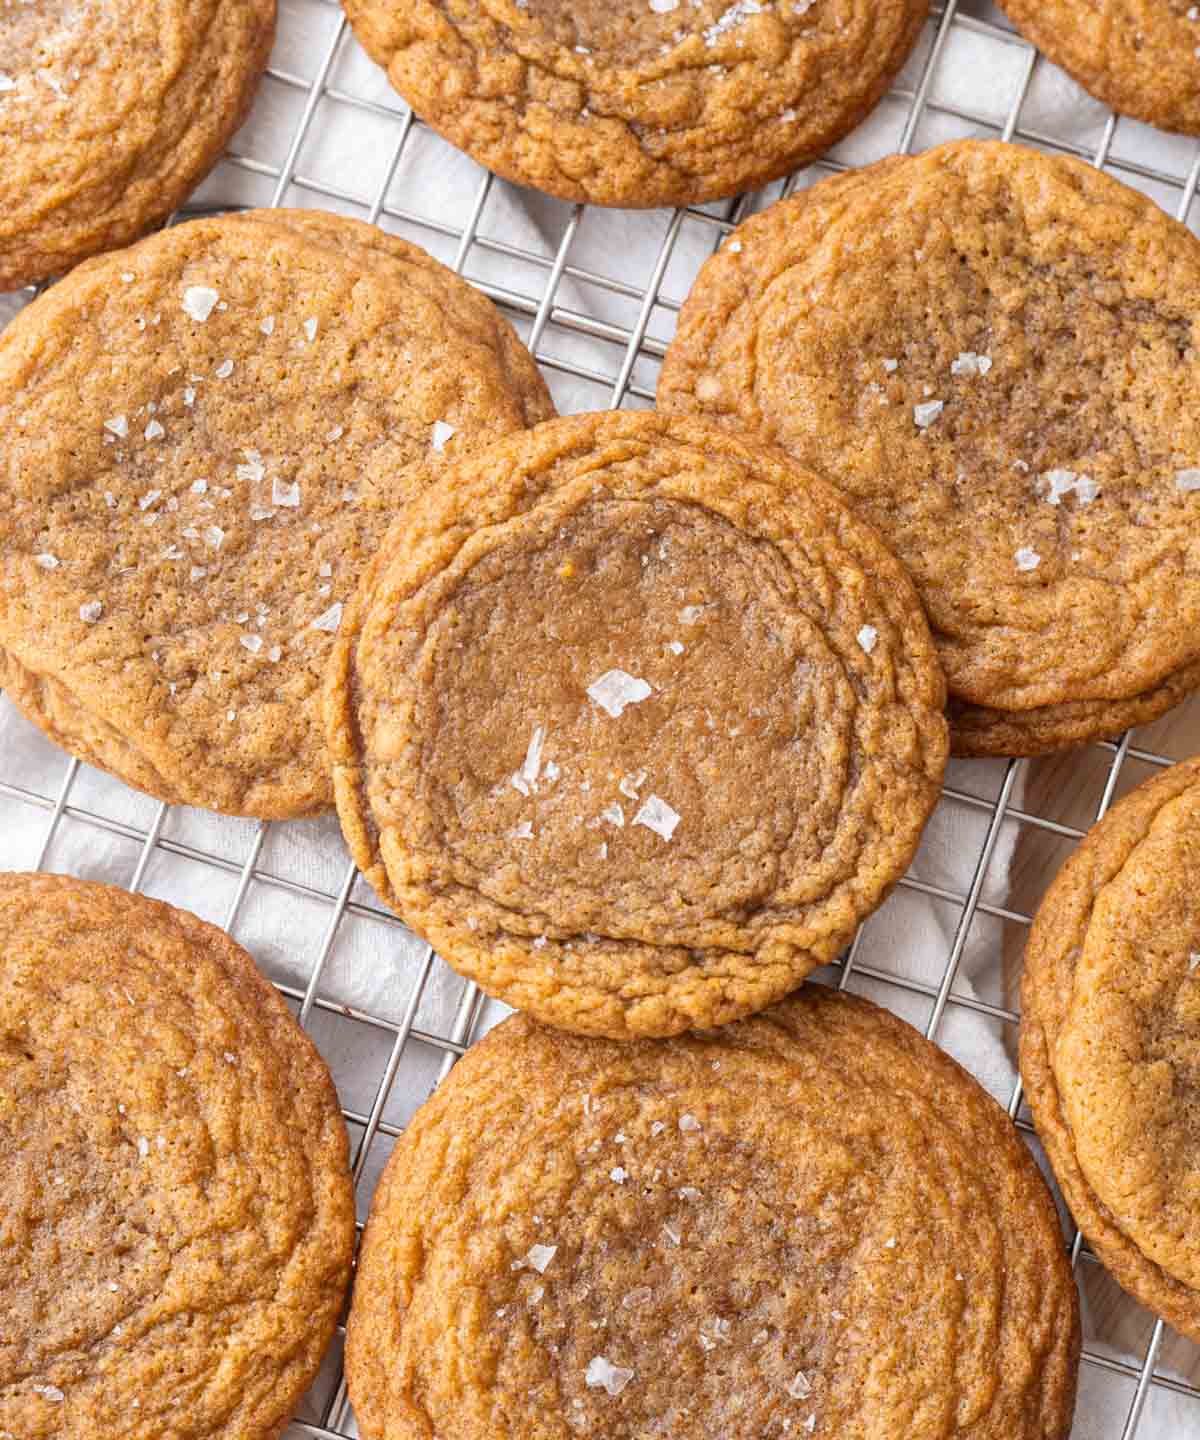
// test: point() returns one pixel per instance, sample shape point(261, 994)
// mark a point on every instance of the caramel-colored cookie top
point(176, 1213)
point(809, 1223)
point(1109, 1053)
point(640, 102)
point(111, 111)
point(992, 354)
point(1138, 56)
point(205, 438)
point(634, 722)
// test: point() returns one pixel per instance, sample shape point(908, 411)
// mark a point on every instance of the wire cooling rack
point(595, 295)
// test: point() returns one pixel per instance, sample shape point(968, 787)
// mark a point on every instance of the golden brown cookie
point(641, 102)
point(634, 722)
point(1109, 1052)
point(206, 437)
point(111, 112)
point(1141, 57)
point(993, 354)
point(176, 1212)
point(810, 1223)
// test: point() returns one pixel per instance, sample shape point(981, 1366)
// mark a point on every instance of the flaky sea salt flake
point(925, 415)
point(46, 561)
point(968, 363)
point(800, 1387)
point(154, 431)
point(524, 831)
point(91, 612)
point(441, 433)
point(119, 426)
point(532, 765)
point(253, 470)
point(310, 328)
point(617, 689)
point(689, 1124)
point(655, 814)
point(50, 1392)
point(602, 1374)
point(224, 370)
point(1187, 480)
point(329, 620)
point(285, 494)
point(199, 301)
point(629, 785)
point(867, 637)
point(538, 1257)
point(1027, 559)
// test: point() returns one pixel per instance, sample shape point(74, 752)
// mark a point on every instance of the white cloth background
point(372, 964)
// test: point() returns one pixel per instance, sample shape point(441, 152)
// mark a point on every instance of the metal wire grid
point(537, 313)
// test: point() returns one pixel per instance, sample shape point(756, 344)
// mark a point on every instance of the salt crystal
point(7, 83)
point(148, 499)
point(519, 783)
point(619, 1174)
point(118, 426)
point(614, 815)
point(616, 689)
point(524, 831)
point(734, 247)
point(664, 7)
point(199, 487)
point(867, 638)
point(1193, 962)
point(330, 619)
point(613, 1378)
point(1187, 480)
point(224, 370)
point(253, 643)
point(533, 756)
point(925, 415)
point(672, 1235)
point(655, 814)
point(154, 431)
point(801, 1387)
point(213, 535)
point(284, 494)
point(199, 301)
point(1086, 490)
point(1027, 559)
point(657, 1128)
point(603, 851)
point(891, 365)
point(540, 943)
point(267, 326)
point(675, 647)
point(275, 654)
point(143, 1146)
point(310, 329)
point(689, 1123)
point(538, 1257)
point(335, 434)
point(50, 1392)
point(1059, 483)
point(46, 561)
point(441, 433)
point(253, 470)
point(630, 784)
point(690, 614)
point(968, 363)
point(91, 612)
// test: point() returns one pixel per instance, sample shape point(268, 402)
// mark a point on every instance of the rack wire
point(1133, 1365)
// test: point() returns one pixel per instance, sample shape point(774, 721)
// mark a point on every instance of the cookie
point(645, 102)
point(633, 722)
point(176, 1212)
point(1109, 1059)
point(948, 340)
point(111, 112)
point(811, 1222)
point(205, 438)
point(1140, 57)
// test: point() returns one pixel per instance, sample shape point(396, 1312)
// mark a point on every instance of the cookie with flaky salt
point(205, 438)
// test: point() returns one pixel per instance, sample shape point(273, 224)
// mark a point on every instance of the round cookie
point(642, 102)
point(810, 1223)
point(111, 112)
point(948, 339)
point(176, 1212)
point(1137, 56)
point(206, 437)
point(1109, 1052)
point(634, 723)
